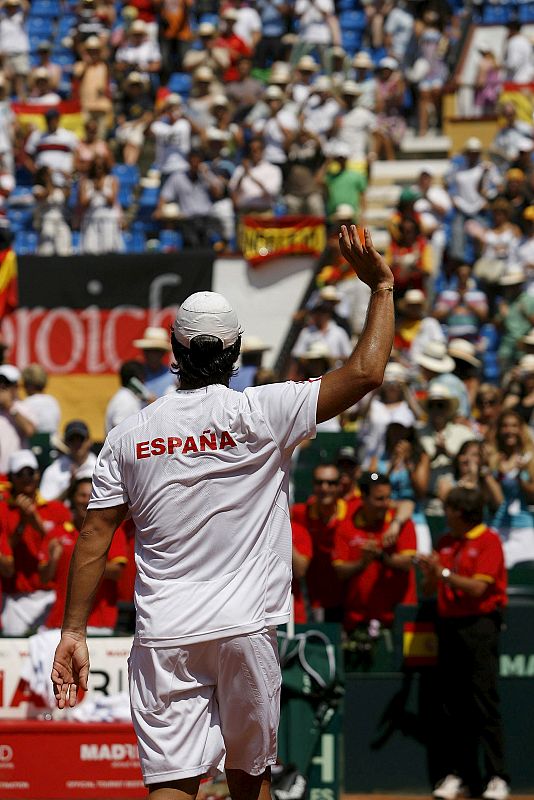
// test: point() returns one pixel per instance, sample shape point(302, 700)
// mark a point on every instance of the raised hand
point(366, 262)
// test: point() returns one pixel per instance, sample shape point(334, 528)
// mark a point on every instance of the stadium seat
point(65, 58)
point(170, 241)
point(496, 15)
point(75, 241)
point(347, 5)
point(20, 219)
point(211, 18)
point(40, 26)
point(134, 241)
point(65, 25)
point(489, 335)
point(180, 82)
point(526, 12)
point(127, 174)
point(351, 41)
point(352, 21)
point(26, 243)
point(44, 8)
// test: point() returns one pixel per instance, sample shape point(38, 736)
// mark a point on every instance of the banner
point(264, 238)
point(31, 115)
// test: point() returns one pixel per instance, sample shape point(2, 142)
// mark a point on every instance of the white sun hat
point(206, 314)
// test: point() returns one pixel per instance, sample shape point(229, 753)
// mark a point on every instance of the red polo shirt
point(26, 552)
point(104, 609)
point(302, 542)
point(324, 587)
point(374, 593)
point(478, 554)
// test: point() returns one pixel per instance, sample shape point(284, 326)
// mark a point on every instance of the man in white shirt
point(54, 148)
point(173, 137)
point(204, 473)
point(15, 45)
point(255, 184)
point(17, 424)
point(518, 61)
point(131, 397)
point(248, 25)
point(58, 476)
point(322, 328)
point(43, 407)
point(140, 51)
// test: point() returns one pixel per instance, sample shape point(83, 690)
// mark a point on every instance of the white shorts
point(202, 707)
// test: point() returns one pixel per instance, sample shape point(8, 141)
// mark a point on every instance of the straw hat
point(153, 339)
point(464, 351)
point(138, 26)
point(438, 391)
point(395, 373)
point(512, 278)
point(307, 64)
point(473, 145)
point(253, 344)
point(362, 60)
point(351, 88)
point(434, 358)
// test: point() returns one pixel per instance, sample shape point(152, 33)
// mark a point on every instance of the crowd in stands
point(193, 113)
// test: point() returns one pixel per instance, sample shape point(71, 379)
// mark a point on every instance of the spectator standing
point(195, 191)
point(28, 518)
point(41, 92)
point(463, 308)
point(488, 81)
point(134, 115)
point(363, 76)
point(512, 136)
point(318, 28)
point(343, 186)
point(130, 398)
point(172, 133)
point(437, 366)
point(355, 125)
point(54, 561)
point(302, 194)
point(468, 573)
point(273, 15)
point(176, 33)
point(228, 40)
point(101, 212)
point(78, 456)
point(50, 215)
point(93, 80)
point(44, 408)
point(415, 328)
point(389, 107)
point(377, 572)
point(278, 129)
point(55, 72)
point(54, 148)
point(256, 183)
point(518, 55)
point(155, 347)
point(515, 315)
point(140, 52)
point(323, 328)
point(248, 25)
point(17, 424)
point(411, 257)
point(488, 405)
point(433, 207)
point(90, 147)
point(210, 54)
point(398, 29)
point(320, 515)
point(512, 462)
point(321, 109)
point(15, 46)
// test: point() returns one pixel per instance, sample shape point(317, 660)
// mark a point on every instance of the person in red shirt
point(349, 471)
point(378, 574)
point(54, 564)
point(469, 575)
point(27, 518)
point(301, 557)
point(235, 46)
point(320, 515)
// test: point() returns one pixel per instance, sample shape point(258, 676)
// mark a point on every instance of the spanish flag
point(419, 644)
point(9, 294)
point(31, 115)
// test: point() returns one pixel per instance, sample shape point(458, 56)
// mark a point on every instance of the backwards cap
point(206, 314)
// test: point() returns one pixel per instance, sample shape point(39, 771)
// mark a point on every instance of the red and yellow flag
point(31, 115)
point(419, 644)
point(9, 295)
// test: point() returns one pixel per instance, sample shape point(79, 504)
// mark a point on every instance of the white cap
point(473, 145)
point(322, 84)
point(173, 99)
point(93, 43)
point(138, 26)
point(206, 29)
point(362, 60)
point(206, 314)
point(203, 73)
point(10, 373)
point(434, 357)
point(395, 373)
point(219, 100)
point(414, 297)
point(273, 93)
point(330, 294)
point(388, 62)
point(40, 73)
point(21, 459)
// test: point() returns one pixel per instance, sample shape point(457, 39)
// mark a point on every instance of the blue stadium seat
point(134, 241)
point(40, 26)
point(212, 18)
point(352, 21)
point(351, 41)
point(127, 174)
point(170, 241)
point(490, 336)
point(526, 12)
point(65, 58)
point(491, 367)
point(347, 5)
point(66, 23)
point(180, 82)
point(20, 219)
point(75, 241)
point(496, 15)
point(26, 242)
point(44, 8)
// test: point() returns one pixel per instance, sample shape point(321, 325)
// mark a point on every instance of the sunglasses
point(486, 402)
point(320, 481)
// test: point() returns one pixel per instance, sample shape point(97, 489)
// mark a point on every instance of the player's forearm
point(364, 369)
point(88, 564)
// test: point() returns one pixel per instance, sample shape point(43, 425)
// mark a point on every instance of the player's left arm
point(71, 660)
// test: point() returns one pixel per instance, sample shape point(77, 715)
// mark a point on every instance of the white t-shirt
point(248, 23)
point(10, 438)
point(123, 404)
point(54, 150)
point(518, 59)
point(205, 476)
point(13, 36)
point(58, 476)
point(173, 143)
point(313, 26)
point(250, 194)
point(141, 55)
point(273, 136)
point(334, 337)
point(355, 130)
point(45, 410)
